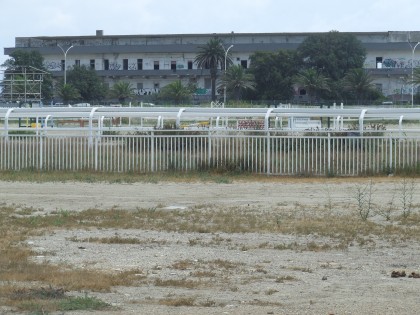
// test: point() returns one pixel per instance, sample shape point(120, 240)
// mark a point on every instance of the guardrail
point(137, 141)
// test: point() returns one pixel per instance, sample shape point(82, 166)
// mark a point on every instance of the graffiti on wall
point(52, 65)
point(400, 63)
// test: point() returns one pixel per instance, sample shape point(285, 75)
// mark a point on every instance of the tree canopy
point(177, 92)
point(87, 82)
point(273, 73)
point(313, 81)
point(237, 80)
point(212, 56)
point(122, 91)
point(332, 53)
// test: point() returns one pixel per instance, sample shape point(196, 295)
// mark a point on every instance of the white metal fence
point(273, 153)
point(332, 141)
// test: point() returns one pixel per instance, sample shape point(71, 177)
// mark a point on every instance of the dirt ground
point(263, 280)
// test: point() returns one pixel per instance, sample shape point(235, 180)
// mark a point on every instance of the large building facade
point(150, 62)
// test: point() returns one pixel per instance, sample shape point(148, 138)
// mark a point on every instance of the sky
point(23, 18)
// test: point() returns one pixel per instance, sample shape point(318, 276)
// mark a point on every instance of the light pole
point(65, 60)
point(413, 48)
point(224, 92)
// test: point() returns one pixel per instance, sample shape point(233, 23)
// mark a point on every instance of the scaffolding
point(22, 85)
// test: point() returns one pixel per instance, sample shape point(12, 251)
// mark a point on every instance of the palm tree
point(358, 82)
point(211, 56)
point(122, 91)
point(237, 80)
point(177, 92)
point(313, 81)
point(69, 93)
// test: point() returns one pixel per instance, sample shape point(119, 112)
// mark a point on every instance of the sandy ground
point(352, 281)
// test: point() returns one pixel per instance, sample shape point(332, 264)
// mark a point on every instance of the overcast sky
point(22, 18)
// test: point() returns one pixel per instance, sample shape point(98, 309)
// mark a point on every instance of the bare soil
point(231, 273)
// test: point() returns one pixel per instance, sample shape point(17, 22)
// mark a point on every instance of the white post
point(413, 48)
point(224, 91)
point(65, 61)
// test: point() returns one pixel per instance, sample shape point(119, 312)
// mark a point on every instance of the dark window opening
point(106, 64)
point(244, 64)
point(378, 62)
point(125, 64)
point(92, 64)
point(190, 65)
point(139, 64)
point(63, 65)
point(77, 63)
point(302, 92)
point(173, 65)
point(156, 65)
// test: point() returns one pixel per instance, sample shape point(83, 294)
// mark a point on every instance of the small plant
point(363, 196)
point(82, 303)
point(387, 210)
point(406, 196)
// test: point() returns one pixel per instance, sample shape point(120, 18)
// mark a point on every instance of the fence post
point(152, 151)
point(209, 149)
point(268, 153)
point(390, 153)
point(329, 153)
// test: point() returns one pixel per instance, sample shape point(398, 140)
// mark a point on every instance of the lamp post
point(413, 48)
point(65, 60)
point(224, 92)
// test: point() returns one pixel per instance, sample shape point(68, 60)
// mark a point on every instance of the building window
point(139, 64)
point(77, 63)
point(156, 85)
point(190, 65)
point(106, 64)
point(139, 85)
point(63, 65)
point(156, 65)
point(378, 62)
point(92, 64)
point(378, 87)
point(125, 64)
point(173, 65)
point(244, 64)
point(207, 83)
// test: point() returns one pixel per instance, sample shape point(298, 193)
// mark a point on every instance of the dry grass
point(326, 230)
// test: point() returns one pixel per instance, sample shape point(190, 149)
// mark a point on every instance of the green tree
point(359, 83)
point(313, 81)
point(122, 91)
point(177, 92)
point(237, 80)
point(87, 82)
point(273, 73)
point(332, 53)
point(68, 93)
point(30, 59)
point(211, 56)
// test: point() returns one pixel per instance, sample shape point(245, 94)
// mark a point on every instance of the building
point(150, 62)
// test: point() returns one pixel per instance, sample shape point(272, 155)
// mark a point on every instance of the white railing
point(262, 152)
point(135, 140)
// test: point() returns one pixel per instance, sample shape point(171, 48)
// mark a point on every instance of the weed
point(282, 279)
point(271, 291)
point(363, 196)
point(407, 188)
point(82, 303)
point(181, 301)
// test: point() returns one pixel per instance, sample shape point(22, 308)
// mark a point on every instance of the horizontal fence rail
point(271, 153)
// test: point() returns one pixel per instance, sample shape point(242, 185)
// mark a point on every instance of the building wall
point(388, 54)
